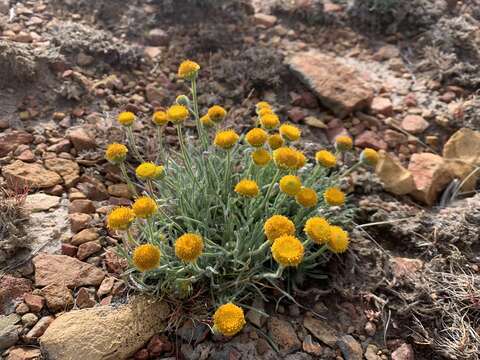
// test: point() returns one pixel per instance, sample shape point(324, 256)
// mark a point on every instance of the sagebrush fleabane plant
point(225, 214)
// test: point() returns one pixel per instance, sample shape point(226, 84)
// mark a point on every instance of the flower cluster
point(225, 214)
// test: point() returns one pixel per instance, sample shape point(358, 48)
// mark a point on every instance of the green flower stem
point(183, 149)
point(261, 249)
point(270, 188)
point(133, 145)
point(130, 185)
point(317, 253)
point(226, 180)
point(150, 190)
point(275, 275)
point(160, 158)
point(348, 172)
point(201, 133)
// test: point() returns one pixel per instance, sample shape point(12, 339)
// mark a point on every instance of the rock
point(58, 297)
point(463, 145)
point(193, 332)
point(119, 190)
point(9, 336)
point(404, 268)
point(61, 269)
point(370, 328)
point(69, 250)
point(321, 330)
point(371, 353)
point(93, 188)
point(79, 221)
point(10, 141)
point(339, 87)
point(381, 105)
point(21, 309)
point(29, 319)
point(84, 236)
point(283, 334)
point(81, 206)
point(88, 249)
point(41, 202)
point(34, 302)
point(12, 290)
point(24, 353)
point(394, 138)
point(395, 178)
point(461, 170)
point(81, 139)
point(311, 347)
point(350, 348)
point(67, 169)
point(430, 176)
point(151, 52)
point(21, 174)
point(414, 124)
point(85, 299)
point(26, 156)
point(106, 286)
point(158, 345)
point(4, 7)
point(370, 139)
point(386, 52)
point(114, 263)
point(39, 329)
point(158, 37)
point(254, 315)
point(264, 20)
point(106, 333)
point(404, 352)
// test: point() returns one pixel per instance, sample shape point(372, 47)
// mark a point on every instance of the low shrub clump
point(230, 214)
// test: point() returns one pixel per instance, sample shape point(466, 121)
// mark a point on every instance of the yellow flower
point(287, 250)
point(160, 118)
point(307, 197)
point(146, 170)
point(343, 143)
point(334, 197)
point(216, 113)
point(116, 153)
point(286, 157)
point(326, 158)
point(263, 105)
point(339, 240)
point(369, 157)
point(264, 111)
point(229, 319)
point(188, 70)
point(205, 120)
point(301, 160)
point(226, 139)
point(248, 188)
point(120, 218)
point(290, 184)
point(278, 225)
point(275, 141)
point(318, 230)
point(159, 171)
point(144, 207)
point(256, 137)
point(261, 157)
point(189, 247)
point(126, 118)
point(290, 132)
point(269, 121)
point(177, 114)
point(146, 257)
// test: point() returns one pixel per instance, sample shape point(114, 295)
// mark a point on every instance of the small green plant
point(229, 215)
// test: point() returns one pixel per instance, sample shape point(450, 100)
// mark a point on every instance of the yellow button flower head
point(228, 320)
point(287, 250)
point(189, 247)
point(177, 114)
point(301, 160)
point(290, 132)
point(159, 171)
point(334, 196)
point(307, 197)
point(188, 70)
point(126, 118)
point(146, 257)
point(318, 230)
point(205, 120)
point(263, 105)
point(275, 141)
point(339, 240)
point(261, 157)
point(278, 225)
point(226, 139)
point(369, 157)
point(326, 159)
point(216, 113)
point(116, 153)
point(264, 111)
point(160, 118)
point(120, 218)
point(256, 137)
point(343, 143)
point(247, 188)
point(146, 170)
point(144, 207)
point(290, 184)
point(285, 157)
point(269, 121)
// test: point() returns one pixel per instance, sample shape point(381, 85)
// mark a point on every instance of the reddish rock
point(39, 329)
point(158, 37)
point(81, 139)
point(404, 352)
point(84, 236)
point(79, 221)
point(106, 300)
point(69, 250)
point(142, 355)
point(114, 263)
point(81, 206)
point(448, 97)
point(339, 87)
point(283, 334)
point(61, 146)
point(58, 297)
point(34, 302)
point(394, 138)
point(381, 105)
point(120, 190)
point(414, 124)
point(151, 52)
point(12, 290)
point(10, 141)
point(24, 353)
point(296, 114)
point(404, 268)
point(370, 139)
point(158, 345)
point(20, 174)
point(85, 299)
point(410, 100)
point(265, 20)
point(88, 249)
point(93, 188)
point(27, 156)
point(106, 286)
point(61, 269)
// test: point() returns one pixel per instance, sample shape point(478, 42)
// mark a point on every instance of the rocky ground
point(401, 81)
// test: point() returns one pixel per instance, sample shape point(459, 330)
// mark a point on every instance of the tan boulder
point(20, 174)
point(465, 172)
point(106, 332)
point(464, 145)
point(67, 169)
point(395, 178)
